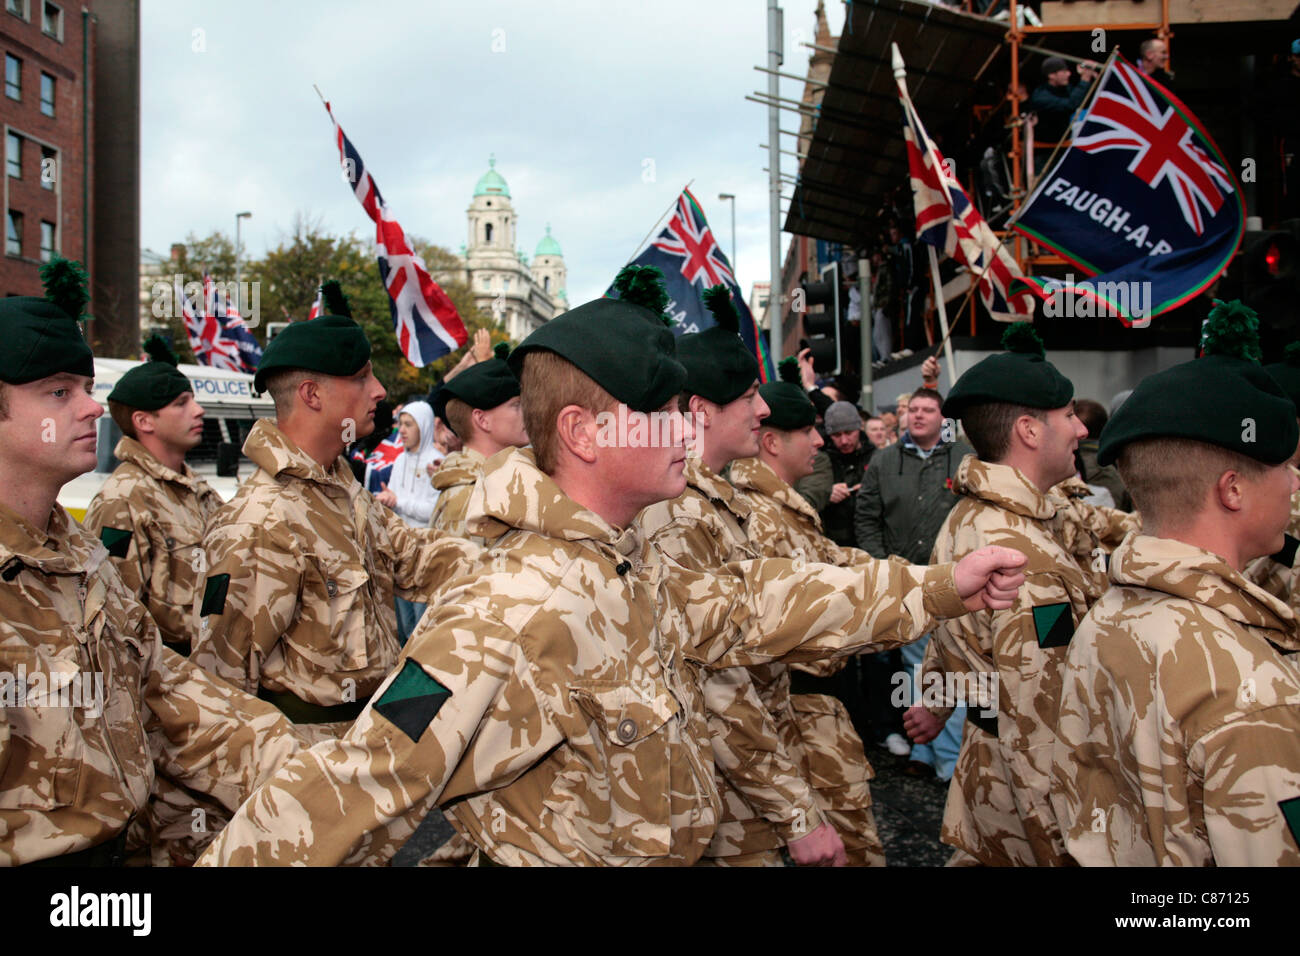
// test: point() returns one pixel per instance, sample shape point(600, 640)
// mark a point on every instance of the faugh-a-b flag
point(1143, 202)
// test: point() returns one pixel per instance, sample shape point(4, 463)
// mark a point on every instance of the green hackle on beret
point(623, 347)
point(1225, 398)
point(156, 347)
point(333, 301)
point(42, 337)
point(1019, 376)
point(788, 404)
point(485, 385)
point(644, 286)
point(718, 366)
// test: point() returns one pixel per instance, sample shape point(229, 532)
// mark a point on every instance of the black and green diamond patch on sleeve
point(214, 595)
point(412, 700)
point(1053, 624)
point(116, 540)
point(1291, 814)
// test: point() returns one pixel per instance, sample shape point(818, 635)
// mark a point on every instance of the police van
point(231, 406)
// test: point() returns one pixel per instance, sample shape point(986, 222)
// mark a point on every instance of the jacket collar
point(704, 481)
point(272, 451)
point(459, 468)
point(128, 449)
point(1005, 487)
point(757, 475)
point(1185, 571)
point(63, 548)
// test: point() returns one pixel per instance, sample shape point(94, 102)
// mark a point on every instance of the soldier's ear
point(1230, 490)
point(311, 393)
point(1026, 428)
point(577, 431)
point(143, 422)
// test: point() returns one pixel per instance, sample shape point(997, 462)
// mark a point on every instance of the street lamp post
point(732, 198)
point(238, 249)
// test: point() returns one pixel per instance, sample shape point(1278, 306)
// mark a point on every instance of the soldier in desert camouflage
point(152, 511)
point(150, 515)
point(95, 707)
point(303, 562)
point(1018, 413)
point(1179, 733)
point(548, 699)
point(481, 405)
point(782, 524)
point(767, 800)
point(1277, 573)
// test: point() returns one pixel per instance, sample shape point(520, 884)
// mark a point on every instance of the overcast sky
point(572, 96)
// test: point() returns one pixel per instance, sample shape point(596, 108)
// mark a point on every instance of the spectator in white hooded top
point(409, 492)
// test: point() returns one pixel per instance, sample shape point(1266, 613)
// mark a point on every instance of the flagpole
point(637, 251)
point(943, 312)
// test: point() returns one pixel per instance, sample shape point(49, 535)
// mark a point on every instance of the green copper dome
point(492, 183)
point(548, 246)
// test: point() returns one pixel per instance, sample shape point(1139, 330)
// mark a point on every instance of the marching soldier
point(151, 512)
point(302, 562)
point(548, 698)
point(766, 803)
point(783, 524)
point(150, 515)
point(1179, 734)
point(481, 405)
point(95, 707)
point(1018, 414)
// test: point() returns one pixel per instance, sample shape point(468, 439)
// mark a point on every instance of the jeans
point(408, 615)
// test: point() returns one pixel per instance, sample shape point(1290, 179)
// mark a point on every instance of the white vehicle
point(231, 406)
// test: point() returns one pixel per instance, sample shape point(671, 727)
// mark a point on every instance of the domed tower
point(491, 214)
point(549, 271)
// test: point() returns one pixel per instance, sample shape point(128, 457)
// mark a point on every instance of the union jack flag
point(1163, 143)
point(691, 261)
point(316, 307)
point(425, 321)
point(217, 333)
point(379, 463)
point(948, 220)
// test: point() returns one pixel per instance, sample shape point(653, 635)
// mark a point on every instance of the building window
point(14, 155)
point(487, 233)
point(49, 167)
point(13, 77)
point(47, 241)
point(52, 21)
point(14, 234)
point(546, 283)
point(505, 285)
point(47, 94)
point(17, 7)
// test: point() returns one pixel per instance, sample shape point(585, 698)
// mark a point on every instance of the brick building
point(71, 116)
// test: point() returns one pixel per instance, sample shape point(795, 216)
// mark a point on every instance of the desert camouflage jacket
point(93, 702)
point(547, 698)
point(302, 567)
point(454, 480)
point(998, 809)
point(151, 519)
point(1180, 718)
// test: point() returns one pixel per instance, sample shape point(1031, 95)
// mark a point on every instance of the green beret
point(1287, 372)
point(1019, 376)
point(625, 348)
point(718, 366)
point(788, 404)
point(41, 336)
point(485, 385)
point(1225, 398)
point(150, 386)
point(331, 344)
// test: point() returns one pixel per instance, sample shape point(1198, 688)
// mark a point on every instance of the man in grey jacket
point(905, 497)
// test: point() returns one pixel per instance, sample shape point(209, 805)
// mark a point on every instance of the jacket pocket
point(622, 800)
point(340, 606)
point(42, 758)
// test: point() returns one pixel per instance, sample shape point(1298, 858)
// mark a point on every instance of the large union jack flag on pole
point(1143, 202)
point(425, 321)
point(217, 333)
point(688, 254)
point(947, 220)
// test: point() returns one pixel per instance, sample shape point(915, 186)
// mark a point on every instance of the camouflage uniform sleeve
point(132, 556)
point(747, 749)
point(424, 559)
point(869, 516)
point(1251, 767)
point(933, 667)
point(460, 714)
point(249, 599)
point(765, 610)
point(209, 736)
